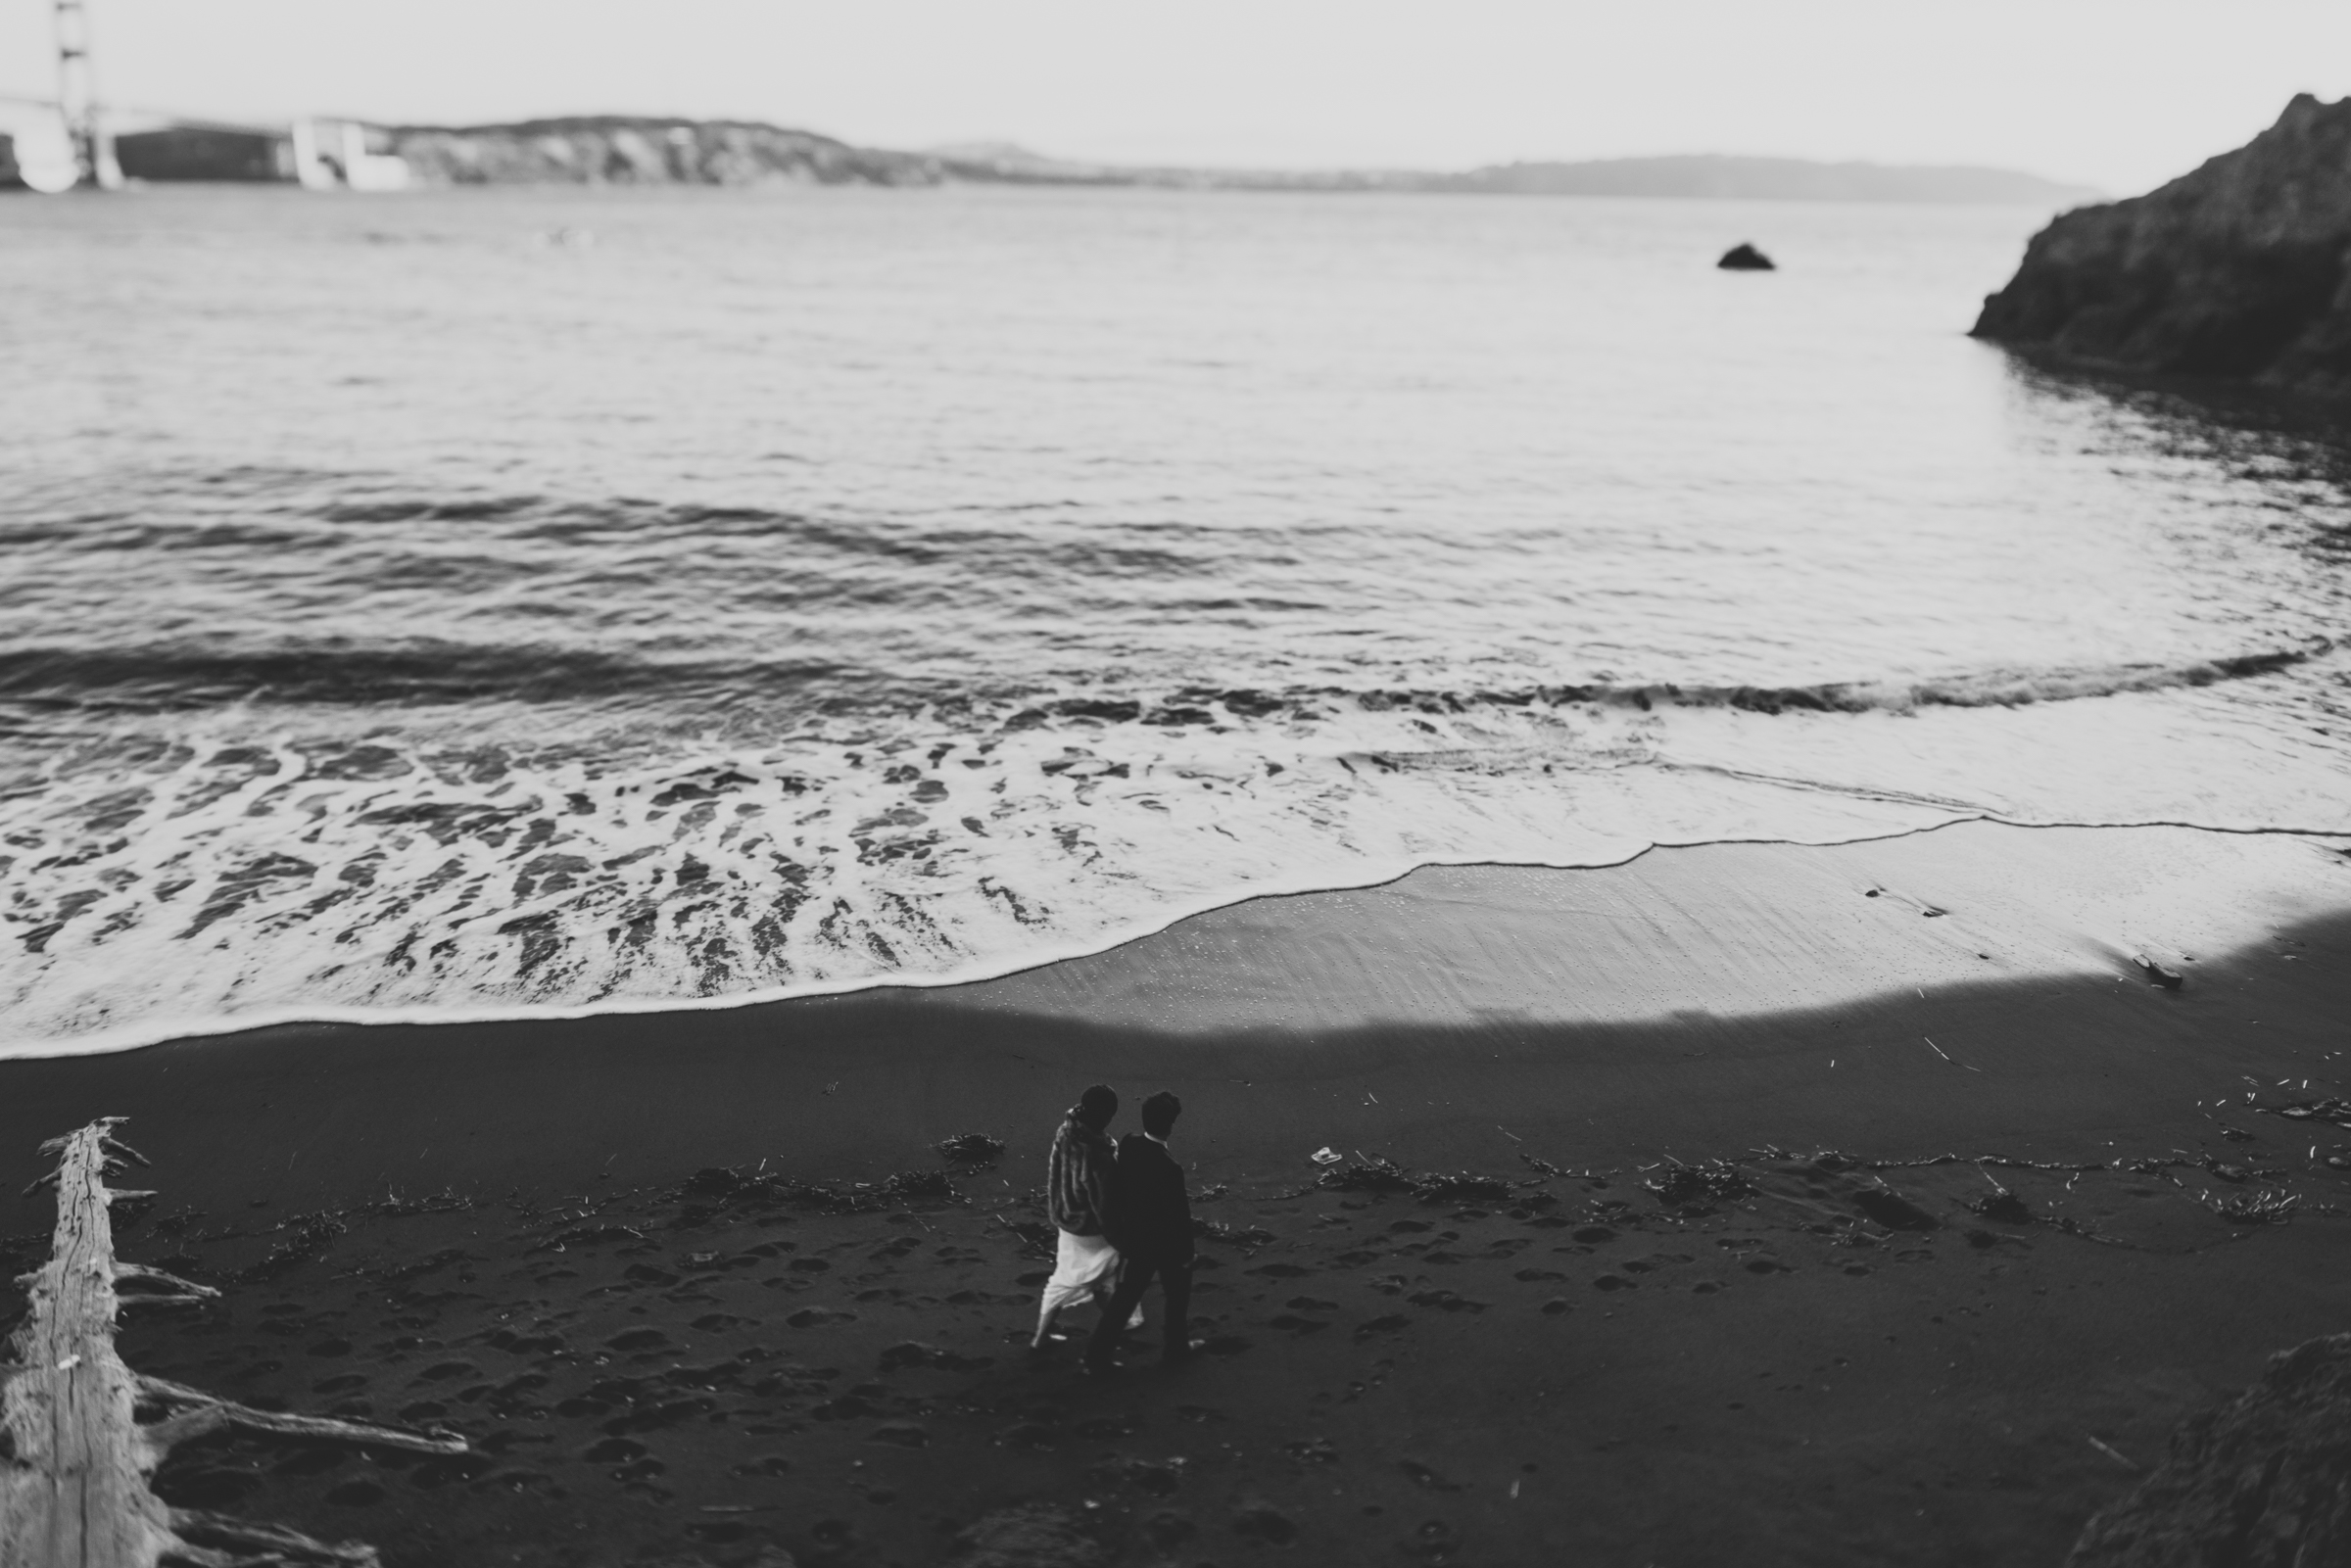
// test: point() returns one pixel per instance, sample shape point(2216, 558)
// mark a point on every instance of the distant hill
point(654, 150)
point(1768, 179)
point(618, 148)
point(1009, 163)
point(1788, 179)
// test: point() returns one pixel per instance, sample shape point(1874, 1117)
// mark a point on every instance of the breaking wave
point(167, 678)
point(246, 861)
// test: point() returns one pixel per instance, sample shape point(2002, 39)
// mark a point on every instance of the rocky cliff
point(609, 150)
point(2236, 270)
point(2263, 1482)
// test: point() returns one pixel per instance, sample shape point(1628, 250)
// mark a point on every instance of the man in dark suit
point(1149, 1221)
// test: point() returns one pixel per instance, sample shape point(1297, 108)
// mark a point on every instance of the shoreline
point(1577, 1367)
point(1672, 997)
point(984, 979)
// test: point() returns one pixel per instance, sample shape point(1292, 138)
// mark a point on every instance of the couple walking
point(1123, 1218)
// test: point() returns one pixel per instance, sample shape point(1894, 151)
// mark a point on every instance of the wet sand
point(1802, 1359)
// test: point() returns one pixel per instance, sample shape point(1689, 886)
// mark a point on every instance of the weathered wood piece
point(75, 1457)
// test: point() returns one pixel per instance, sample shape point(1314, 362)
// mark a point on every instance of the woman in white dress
point(1078, 1186)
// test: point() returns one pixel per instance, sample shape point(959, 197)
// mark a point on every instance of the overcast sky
point(2116, 93)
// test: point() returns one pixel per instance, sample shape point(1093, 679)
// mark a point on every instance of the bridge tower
point(94, 163)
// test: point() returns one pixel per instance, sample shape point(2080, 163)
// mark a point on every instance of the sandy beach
point(1814, 1205)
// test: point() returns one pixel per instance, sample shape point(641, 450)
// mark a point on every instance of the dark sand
point(1574, 1369)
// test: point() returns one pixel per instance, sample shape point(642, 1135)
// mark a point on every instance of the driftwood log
point(76, 1456)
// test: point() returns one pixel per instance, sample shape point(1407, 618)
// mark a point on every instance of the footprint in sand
point(313, 1461)
point(1261, 1521)
point(1446, 1301)
point(205, 1489)
point(1037, 1437)
point(1434, 1541)
point(814, 1316)
point(1895, 1212)
point(913, 1352)
point(1159, 1480)
point(1169, 1530)
point(615, 1451)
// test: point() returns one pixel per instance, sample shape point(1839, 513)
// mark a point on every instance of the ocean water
point(499, 602)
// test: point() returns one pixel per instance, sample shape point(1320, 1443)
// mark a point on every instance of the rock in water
point(1744, 258)
point(2236, 270)
point(2264, 1482)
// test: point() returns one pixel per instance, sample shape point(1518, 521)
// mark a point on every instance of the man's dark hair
point(1098, 1106)
point(1160, 1113)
